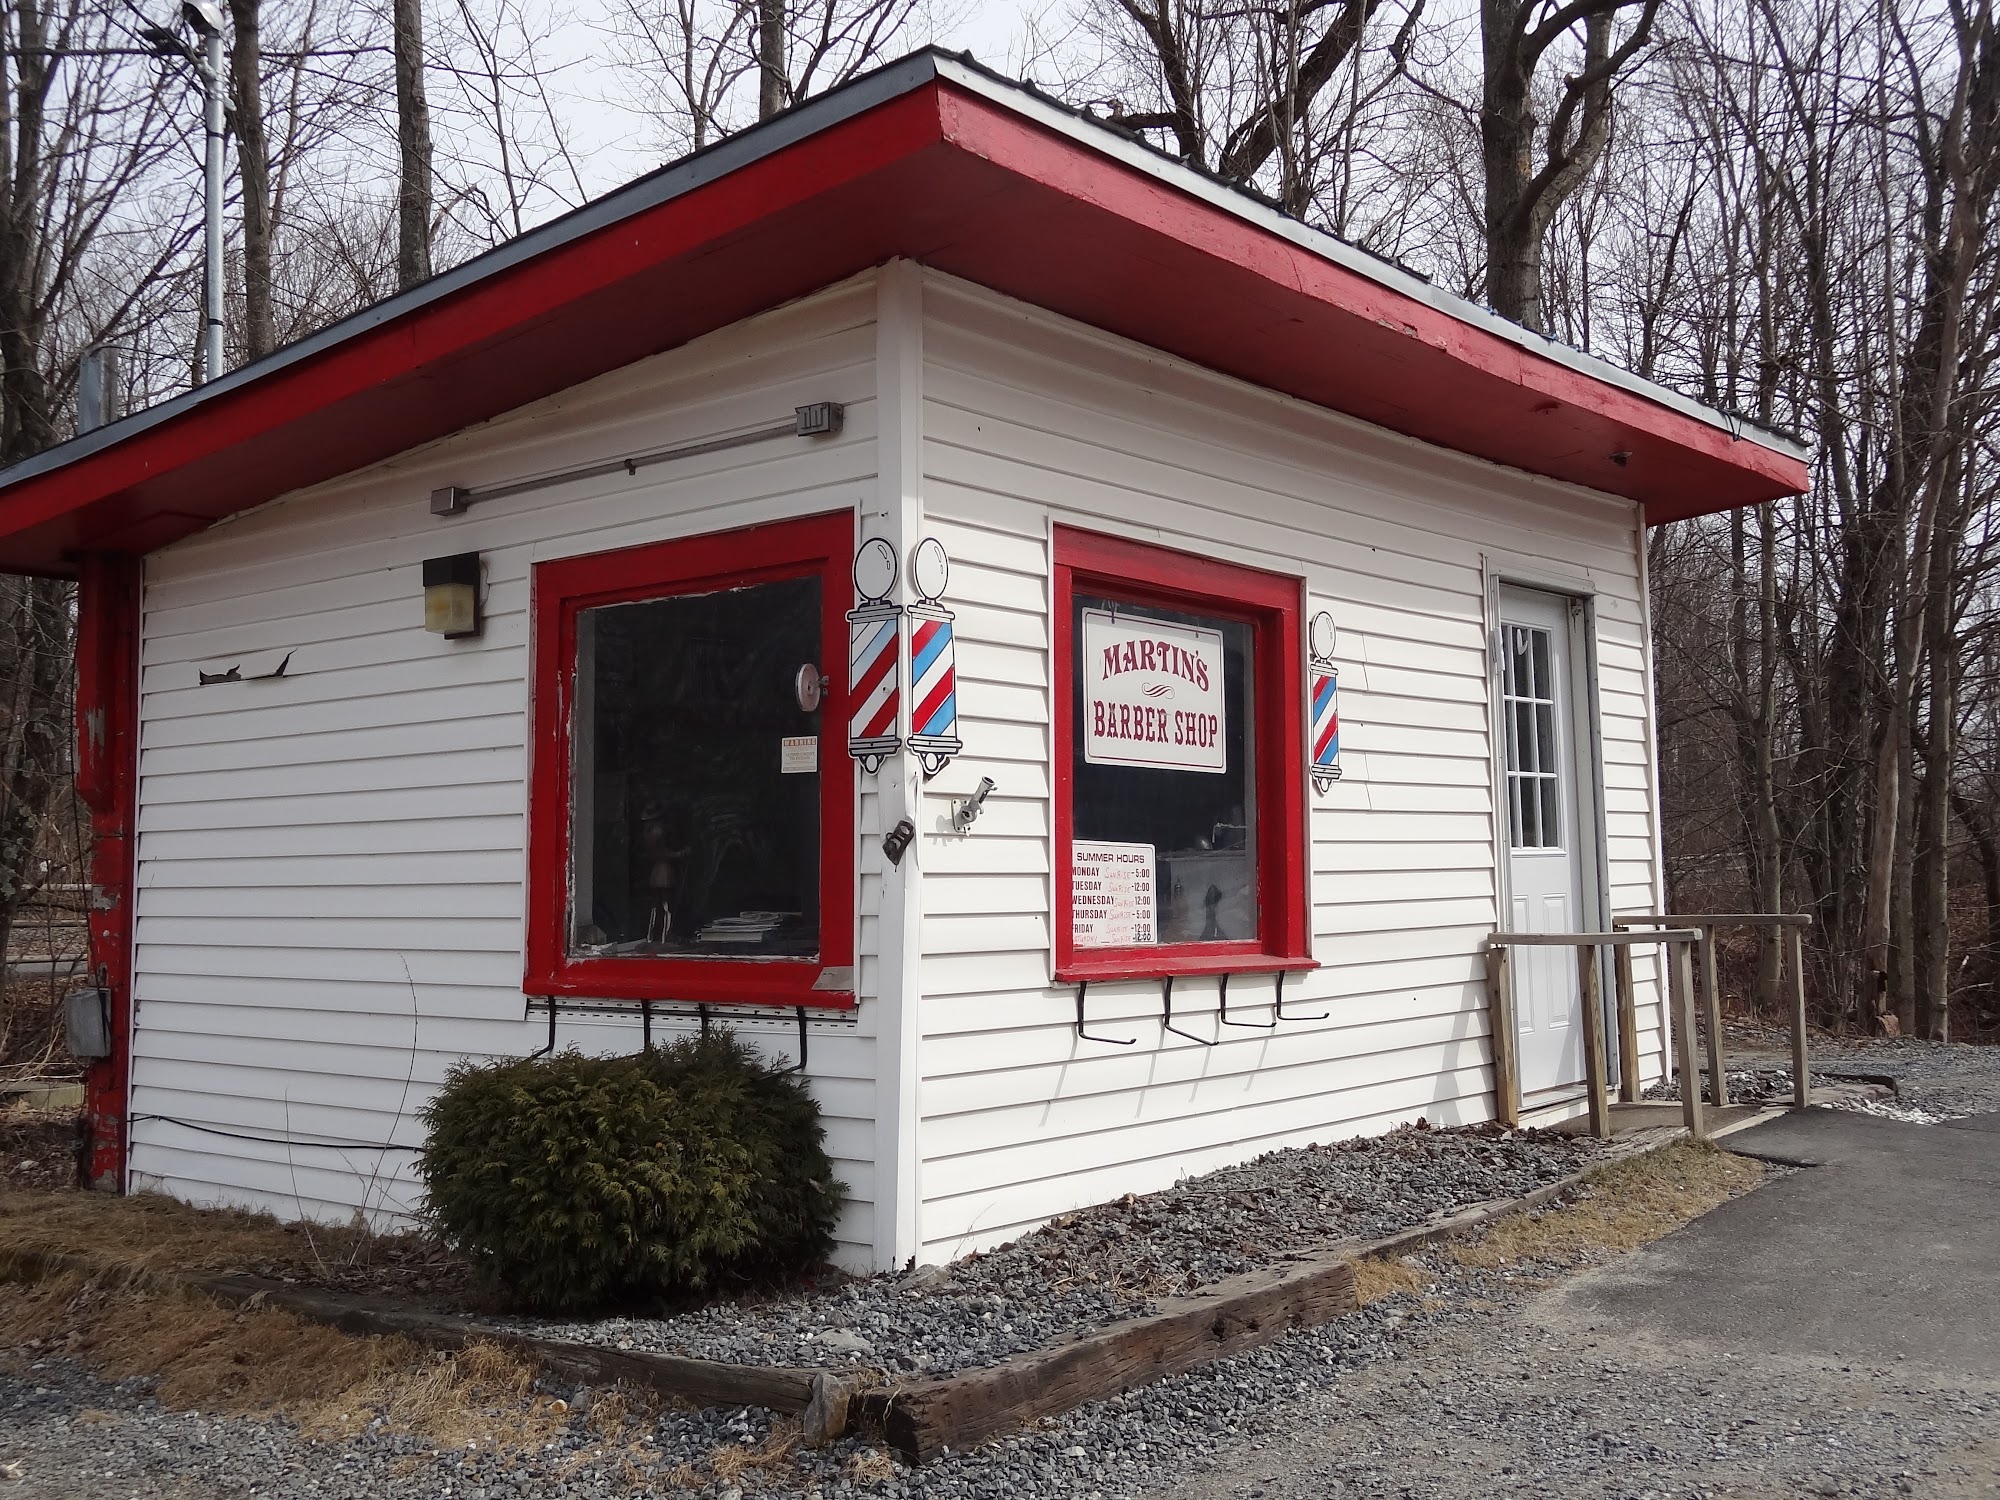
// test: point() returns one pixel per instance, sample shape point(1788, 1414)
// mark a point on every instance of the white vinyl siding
point(331, 863)
point(330, 870)
point(1030, 421)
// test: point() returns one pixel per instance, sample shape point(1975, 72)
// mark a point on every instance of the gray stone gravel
point(1434, 1391)
point(1092, 1267)
point(1930, 1080)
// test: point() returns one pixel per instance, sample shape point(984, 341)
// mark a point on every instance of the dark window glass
point(1163, 759)
point(696, 808)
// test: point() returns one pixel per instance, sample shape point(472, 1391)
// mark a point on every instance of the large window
point(692, 820)
point(1179, 764)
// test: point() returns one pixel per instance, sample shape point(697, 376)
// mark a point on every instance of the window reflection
point(695, 824)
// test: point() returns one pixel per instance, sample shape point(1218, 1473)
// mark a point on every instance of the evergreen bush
point(574, 1182)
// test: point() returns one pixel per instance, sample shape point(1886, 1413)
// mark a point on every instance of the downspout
point(107, 774)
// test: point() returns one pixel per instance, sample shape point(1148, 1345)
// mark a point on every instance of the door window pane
point(1528, 712)
point(1164, 792)
point(696, 802)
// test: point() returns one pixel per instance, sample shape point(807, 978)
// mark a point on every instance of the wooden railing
point(1791, 924)
point(1678, 940)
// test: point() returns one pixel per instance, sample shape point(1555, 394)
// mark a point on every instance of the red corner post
point(107, 777)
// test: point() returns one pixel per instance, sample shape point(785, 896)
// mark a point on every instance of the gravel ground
point(65, 1433)
point(1429, 1393)
point(1532, 1399)
point(1482, 1384)
point(1932, 1080)
point(1091, 1267)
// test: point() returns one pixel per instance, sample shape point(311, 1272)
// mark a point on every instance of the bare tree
point(1533, 168)
point(700, 69)
point(413, 142)
point(246, 118)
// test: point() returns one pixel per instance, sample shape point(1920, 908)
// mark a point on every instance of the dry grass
point(1622, 1208)
point(869, 1466)
point(732, 1462)
point(141, 1233)
point(147, 1231)
point(1377, 1278)
point(258, 1362)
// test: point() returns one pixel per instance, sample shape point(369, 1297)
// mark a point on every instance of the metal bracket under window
point(552, 1005)
point(1083, 988)
point(1223, 1003)
point(1167, 1012)
point(1279, 1009)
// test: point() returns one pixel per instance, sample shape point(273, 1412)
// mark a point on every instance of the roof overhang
point(937, 161)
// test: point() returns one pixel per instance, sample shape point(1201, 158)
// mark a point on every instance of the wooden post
point(1711, 997)
point(1500, 1015)
point(1801, 1076)
point(1593, 1039)
point(1628, 1028)
point(1681, 965)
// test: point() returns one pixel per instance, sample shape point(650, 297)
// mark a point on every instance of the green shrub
point(575, 1182)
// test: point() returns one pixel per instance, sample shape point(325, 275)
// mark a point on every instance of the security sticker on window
point(798, 754)
point(1111, 895)
point(1152, 694)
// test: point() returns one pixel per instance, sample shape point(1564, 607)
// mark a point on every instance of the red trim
point(107, 776)
point(966, 184)
point(1270, 604)
point(784, 549)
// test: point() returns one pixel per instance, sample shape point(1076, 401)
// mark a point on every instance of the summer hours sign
point(1152, 694)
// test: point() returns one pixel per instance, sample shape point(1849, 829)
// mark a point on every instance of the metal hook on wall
point(1167, 1013)
point(800, 1065)
point(550, 1002)
point(1083, 988)
point(1278, 1010)
point(1223, 1000)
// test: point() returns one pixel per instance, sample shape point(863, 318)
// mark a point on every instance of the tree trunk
point(772, 83)
point(1507, 127)
point(413, 138)
point(246, 104)
point(1766, 840)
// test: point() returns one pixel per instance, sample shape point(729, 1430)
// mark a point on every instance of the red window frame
point(1090, 563)
point(562, 590)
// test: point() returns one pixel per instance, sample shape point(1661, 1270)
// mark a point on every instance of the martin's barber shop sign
point(1152, 694)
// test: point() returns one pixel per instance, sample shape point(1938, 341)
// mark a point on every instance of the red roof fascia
point(947, 177)
point(642, 284)
point(1204, 283)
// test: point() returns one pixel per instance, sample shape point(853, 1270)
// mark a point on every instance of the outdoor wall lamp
point(451, 596)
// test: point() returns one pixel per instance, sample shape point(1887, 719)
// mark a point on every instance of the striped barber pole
point(934, 690)
point(1325, 726)
point(873, 661)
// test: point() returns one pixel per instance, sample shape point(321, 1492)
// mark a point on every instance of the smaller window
point(1534, 769)
point(1180, 745)
point(691, 830)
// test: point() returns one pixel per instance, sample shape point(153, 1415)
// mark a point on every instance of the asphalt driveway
point(1835, 1333)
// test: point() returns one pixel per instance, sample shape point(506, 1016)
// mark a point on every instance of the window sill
point(1147, 966)
point(764, 984)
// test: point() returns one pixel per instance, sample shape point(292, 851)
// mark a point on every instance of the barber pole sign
point(874, 657)
point(933, 662)
point(1323, 704)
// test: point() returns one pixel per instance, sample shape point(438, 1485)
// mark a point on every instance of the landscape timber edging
point(923, 1420)
point(920, 1419)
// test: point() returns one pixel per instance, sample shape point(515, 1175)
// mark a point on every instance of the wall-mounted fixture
point(820, 419)
point(965, 811)
point(451, 596)
point(897, 839)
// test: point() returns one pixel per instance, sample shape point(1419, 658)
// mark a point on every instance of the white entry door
point(1544, 851)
